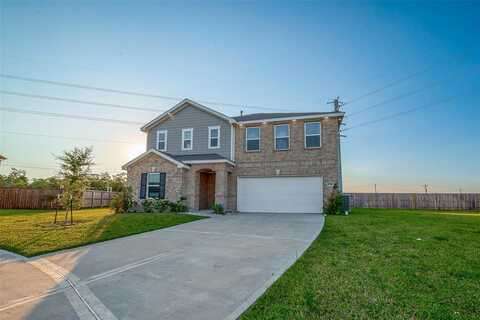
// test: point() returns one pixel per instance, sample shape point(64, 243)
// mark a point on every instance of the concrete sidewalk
point(207, 269)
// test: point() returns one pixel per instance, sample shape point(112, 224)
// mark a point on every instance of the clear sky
point(292, 55)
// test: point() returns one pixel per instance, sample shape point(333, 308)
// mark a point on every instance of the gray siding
point(199, 120)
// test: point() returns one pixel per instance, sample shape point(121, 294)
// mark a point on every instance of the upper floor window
point(214, 137)
point(162, 140)
point(282, 137)
point(187, 139)
point(252, 138)
point(313, 135)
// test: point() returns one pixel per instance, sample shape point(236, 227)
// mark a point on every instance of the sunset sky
point(389, 57)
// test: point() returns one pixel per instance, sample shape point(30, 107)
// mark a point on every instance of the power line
point(67, 138)
point(80, 86)
point(28, 95)
point(389, 85)
point(134, 93)
point(14, 165)
point(28, 166)
point(401, 96)
point(401, 113)
point(62, 115)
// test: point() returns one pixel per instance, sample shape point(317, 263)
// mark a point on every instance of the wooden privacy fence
point(96, 198)
point(21, 198)
point(434, 201)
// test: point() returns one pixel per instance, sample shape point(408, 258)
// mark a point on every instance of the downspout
point(232, 142)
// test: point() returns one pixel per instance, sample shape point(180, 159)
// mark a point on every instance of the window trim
point(210, 137)
point(165, 132)
point(183, 139)
point(275, 136)
point(311, 135)
point(148, 184)
point(259, 138)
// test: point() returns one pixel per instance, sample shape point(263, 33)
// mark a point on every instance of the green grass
point(32, 232)
point(383, 264)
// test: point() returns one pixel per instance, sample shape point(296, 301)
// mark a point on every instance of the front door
point(207, 190)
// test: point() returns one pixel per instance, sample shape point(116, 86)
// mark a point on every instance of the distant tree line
point(101, 181)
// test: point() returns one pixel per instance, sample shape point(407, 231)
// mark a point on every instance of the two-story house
point(262, 162)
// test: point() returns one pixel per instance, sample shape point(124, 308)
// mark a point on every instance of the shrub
point(334, 202)
point(178, 206)
point(218, 208)
point(162, 205)
point(148, 205)
point(123, 201)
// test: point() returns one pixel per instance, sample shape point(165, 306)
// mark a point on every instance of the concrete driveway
point(208, 269)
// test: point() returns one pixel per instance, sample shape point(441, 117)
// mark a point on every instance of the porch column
point(221, 186)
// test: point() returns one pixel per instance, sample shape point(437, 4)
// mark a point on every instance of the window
point(313, 135)
point(187, 139)
point(156, 185)
point(214, 137)
point(162, 140)
point(252, 139)
point(282, 137)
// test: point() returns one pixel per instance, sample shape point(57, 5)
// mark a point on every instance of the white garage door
point(280, 194)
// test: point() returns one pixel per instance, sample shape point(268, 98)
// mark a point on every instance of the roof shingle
point(275, 115)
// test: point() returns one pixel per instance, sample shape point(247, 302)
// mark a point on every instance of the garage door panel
point(280, 194)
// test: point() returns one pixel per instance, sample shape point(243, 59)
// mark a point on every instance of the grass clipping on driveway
point(32, 232)
point(383, 264)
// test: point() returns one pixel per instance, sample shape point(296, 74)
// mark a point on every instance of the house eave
point(170, 113)
point(210, 161)
point(158, 153)
point(313, 116)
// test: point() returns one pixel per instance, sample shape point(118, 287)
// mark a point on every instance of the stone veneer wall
point(298, 161)
point(153, 163)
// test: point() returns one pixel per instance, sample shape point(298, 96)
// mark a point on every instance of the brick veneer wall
point(297, 161)
point(154, 163)
point(181, 182)
point(191, 183)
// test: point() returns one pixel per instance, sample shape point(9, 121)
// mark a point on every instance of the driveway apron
point(207, 269)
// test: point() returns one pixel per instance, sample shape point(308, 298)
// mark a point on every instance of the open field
point(383, 264)
point(32, 232)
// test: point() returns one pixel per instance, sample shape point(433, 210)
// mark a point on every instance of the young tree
point(74, 169)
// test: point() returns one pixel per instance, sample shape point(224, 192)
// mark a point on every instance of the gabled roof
point(193, 157)
point(285, 115)
point(202, 158)
point(179, 106)
point(182, 161)
point(168, 157)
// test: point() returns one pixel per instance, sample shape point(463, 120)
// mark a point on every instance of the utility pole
point(425, 186)
point(375, 187)
point(337, 104)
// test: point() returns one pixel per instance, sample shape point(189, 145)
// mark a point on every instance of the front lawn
point(32, 232)
point(383, 264)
